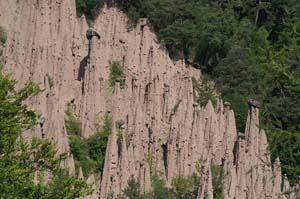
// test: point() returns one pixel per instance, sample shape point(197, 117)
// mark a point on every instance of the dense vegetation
point(89, 154)
point(183, 187)
point(21, 161)
point(249, 50)
point(90, 8)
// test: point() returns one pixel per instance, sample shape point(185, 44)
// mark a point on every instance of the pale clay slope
point(47, 40)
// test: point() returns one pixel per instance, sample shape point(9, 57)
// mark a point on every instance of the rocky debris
point(158, 134)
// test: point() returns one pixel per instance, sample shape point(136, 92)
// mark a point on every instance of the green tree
point(22, 162)
point(133, 190)
point(89, 153)
point(160, 191)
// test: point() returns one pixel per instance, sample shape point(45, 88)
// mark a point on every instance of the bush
point(160, 191)
point(183, 187)
point(3, 35)
point(133, 190)
point(79, 147)
point(73, 125)
point(116, 74)
point(186, 186)
point(217, 173)
point(89, 154)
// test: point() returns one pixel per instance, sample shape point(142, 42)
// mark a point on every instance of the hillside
point(126, 107)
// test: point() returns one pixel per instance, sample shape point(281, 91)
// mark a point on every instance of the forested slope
point(250, 49)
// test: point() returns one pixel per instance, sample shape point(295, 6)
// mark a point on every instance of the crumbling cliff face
point(164, 130)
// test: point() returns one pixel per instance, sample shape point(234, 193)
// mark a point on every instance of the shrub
point(160, 191)
point(183, 187)
point(79, 147)
point(133, 190)
point(3, 35)
point(73, 125)
point(186, 186)
point(217, 173)
point(89, 154)
point(116, 74)
point(80, 151)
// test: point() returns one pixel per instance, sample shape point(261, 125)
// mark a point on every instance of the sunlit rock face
point(165, 131)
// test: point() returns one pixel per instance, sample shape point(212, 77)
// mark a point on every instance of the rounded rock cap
point(253, 103)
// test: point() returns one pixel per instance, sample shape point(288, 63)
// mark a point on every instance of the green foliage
point(217, 173)
point(19, 165)
point(90, 8)
point(133, 190)
point(73, 125)
point(204, 91)
point(183, 187)
point(14, 115)
point(116, 74)
point(3, 35)
point(22, 160)
point(89, 154)
point(160, 191)
point(285, 144)
point(186, 186)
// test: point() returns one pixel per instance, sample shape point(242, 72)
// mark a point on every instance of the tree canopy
point(29, 170)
